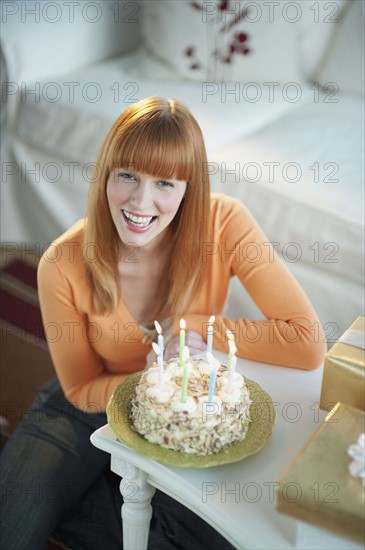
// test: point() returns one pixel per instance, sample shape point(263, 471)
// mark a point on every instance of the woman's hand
point(193, 340)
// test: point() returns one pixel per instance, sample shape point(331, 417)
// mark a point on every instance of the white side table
point(238, 499)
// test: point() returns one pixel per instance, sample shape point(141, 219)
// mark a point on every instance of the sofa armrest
point(44, 40)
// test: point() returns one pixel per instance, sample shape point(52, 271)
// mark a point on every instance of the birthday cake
point(194, 421)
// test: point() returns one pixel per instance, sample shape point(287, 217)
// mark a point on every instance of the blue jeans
point(55, 482)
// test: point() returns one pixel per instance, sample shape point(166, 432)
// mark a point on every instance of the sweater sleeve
point(80, 371)
point(291, 334)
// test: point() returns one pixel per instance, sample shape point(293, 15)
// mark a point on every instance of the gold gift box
point(344, 373)
point(317, 486)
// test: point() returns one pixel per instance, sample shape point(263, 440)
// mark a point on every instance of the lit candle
point(185, 379)
point(214, 363)
point(182, 342)
point(157, 351)
point(232, 360)
point(210, 334)
point(160, 338)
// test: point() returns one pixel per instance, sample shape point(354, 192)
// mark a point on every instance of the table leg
point(136, 509)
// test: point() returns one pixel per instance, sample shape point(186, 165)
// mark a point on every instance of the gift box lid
point(317, 486)
point(350, 347)
point(344, 369)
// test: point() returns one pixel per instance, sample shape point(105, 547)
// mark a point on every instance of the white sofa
point(284, 128)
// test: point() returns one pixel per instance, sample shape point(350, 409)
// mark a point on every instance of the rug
point(19, 305)
point(25, 360)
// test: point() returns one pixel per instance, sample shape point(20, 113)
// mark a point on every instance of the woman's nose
point(142, 196)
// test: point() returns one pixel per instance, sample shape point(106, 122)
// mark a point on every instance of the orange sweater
point(92, 353)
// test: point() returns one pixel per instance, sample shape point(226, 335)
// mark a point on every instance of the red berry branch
point(230, 45)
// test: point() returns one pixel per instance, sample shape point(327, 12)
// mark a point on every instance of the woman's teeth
point(139, 221)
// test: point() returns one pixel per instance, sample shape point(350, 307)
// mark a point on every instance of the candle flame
point(182, 324)
point(158, 327)
point(232, 347)
point(156, 348)
point(211, 319)
point(229, 334)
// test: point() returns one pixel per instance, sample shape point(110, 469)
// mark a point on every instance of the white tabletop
point(239, 499)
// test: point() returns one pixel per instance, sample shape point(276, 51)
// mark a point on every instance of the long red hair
point(159, 137)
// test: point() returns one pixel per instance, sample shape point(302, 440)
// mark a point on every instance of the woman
point(155, 246)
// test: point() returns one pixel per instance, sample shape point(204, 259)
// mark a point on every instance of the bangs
point(157, 145)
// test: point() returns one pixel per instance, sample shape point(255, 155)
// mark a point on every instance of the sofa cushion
point(217, 41)
point(318, 25)
point(300, 159)
point(72, 114)
point(344, 60)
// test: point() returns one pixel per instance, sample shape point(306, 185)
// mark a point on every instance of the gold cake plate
point(262, 414)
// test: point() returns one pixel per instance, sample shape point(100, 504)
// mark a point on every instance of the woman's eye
point(165, 183)
point(126, 176)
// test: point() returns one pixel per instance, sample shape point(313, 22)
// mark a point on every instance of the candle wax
point(184, 385)
point(160, 344)
point(182, 344)
point(231, 374)
point(185, 378)
point(210, 339)
point(213, 376)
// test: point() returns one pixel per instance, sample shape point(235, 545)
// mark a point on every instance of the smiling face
point(155, 138)
point(142, 206)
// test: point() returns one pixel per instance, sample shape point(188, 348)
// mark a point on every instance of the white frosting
point(152, 377)
point(238, 380)
point(189, 405)
point(232, 397)
point(215, 405)
point(161, 395)
point(205, 368)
